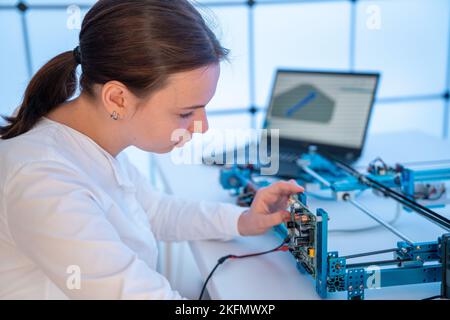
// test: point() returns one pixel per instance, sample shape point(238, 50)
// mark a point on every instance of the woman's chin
point(172, 147)
point(159, 150)
point(164, 150)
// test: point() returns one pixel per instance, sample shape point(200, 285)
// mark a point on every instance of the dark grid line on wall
point(352, 40)
point(251, 62)
point(23, 7)
point(447, 87)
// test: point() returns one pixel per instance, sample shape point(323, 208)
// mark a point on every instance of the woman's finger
point(274, 219)
point(286, 187)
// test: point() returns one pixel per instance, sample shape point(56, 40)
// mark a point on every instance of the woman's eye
point(186, 115)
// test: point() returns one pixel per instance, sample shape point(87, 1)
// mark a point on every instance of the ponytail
point(139, 43)
point(52, 85)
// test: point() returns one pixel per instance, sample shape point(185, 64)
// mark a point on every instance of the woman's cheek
point(180, 135)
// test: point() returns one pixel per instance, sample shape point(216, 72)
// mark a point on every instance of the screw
point(350, 288)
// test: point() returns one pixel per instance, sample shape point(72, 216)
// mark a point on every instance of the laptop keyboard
point(288, 156)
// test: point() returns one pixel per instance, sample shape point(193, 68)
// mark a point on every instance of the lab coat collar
point(120, 174)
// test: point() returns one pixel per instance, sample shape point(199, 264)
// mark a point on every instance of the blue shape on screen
point(302, 103)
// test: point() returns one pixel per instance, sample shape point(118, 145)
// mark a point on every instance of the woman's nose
point(199, 125)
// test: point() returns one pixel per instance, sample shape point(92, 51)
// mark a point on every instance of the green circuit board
point(302, 231)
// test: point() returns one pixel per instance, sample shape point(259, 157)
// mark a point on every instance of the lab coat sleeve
point(57, 223)
point(173, 218)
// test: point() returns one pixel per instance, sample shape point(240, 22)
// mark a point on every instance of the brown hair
point(137, 42)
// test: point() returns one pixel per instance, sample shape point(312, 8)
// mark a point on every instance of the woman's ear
point(118, 101)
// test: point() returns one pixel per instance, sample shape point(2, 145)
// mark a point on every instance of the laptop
point(328, 110)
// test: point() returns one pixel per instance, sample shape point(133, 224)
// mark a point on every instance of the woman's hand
point(268, 208)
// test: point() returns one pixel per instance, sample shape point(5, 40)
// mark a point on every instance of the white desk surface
point(275, 276)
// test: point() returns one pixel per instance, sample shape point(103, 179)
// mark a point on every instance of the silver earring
point(115, 115)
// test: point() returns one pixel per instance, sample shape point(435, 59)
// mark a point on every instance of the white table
point(275, 276)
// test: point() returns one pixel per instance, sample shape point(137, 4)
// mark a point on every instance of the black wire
point(225, 258)
point(433, 297)
point(258, 253)
point(412, 202)
point(424, 211)
point(379, 263)
point(364, 254)
point(219, 262)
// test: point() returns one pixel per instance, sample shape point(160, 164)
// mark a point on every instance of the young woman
point(70, 202)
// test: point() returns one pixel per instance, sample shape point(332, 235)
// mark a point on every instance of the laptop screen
point(323, 108)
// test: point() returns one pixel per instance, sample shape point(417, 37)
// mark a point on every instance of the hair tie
point(77, 54)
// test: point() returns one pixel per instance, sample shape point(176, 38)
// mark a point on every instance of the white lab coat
point(69, 208)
